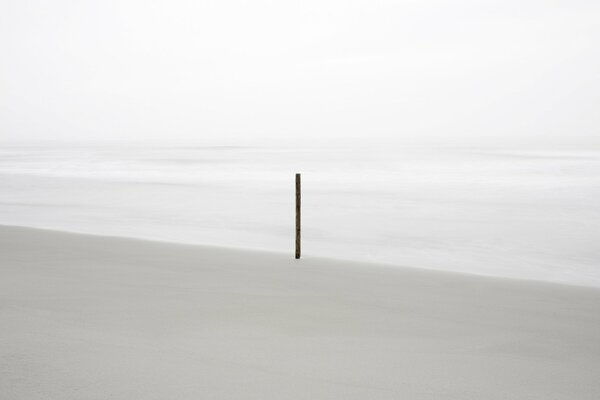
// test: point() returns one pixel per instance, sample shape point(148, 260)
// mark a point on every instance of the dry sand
point(86, 317)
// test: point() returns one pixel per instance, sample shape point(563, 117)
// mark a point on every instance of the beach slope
point(87, 317)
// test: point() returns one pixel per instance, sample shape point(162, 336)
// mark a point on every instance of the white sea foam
point(517, 214)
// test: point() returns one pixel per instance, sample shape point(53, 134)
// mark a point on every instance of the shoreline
point(88, 316)
point(289, 255)
point(490, 215)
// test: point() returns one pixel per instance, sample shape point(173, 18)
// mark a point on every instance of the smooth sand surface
point(85, 317)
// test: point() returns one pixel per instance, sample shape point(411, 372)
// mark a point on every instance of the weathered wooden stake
point(297, 216)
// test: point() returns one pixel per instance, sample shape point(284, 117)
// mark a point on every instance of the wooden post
point(297, 216)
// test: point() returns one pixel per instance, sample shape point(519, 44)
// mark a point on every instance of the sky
point(430, 72)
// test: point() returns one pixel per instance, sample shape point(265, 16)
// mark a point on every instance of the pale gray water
point(531, 215)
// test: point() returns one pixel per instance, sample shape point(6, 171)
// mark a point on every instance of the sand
point(88, 317)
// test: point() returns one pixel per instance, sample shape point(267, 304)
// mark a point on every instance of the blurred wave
point(532, 215)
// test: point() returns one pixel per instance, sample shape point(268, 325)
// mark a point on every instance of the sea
point(521, 214)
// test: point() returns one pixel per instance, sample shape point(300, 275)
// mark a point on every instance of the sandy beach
point(436, 165)
point(90, 317)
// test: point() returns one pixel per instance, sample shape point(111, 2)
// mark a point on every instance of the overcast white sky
point(464, 72)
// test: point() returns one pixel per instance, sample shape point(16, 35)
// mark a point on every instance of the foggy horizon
point(459, 74)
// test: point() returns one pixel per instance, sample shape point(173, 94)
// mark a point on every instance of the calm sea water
point(533, 215)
